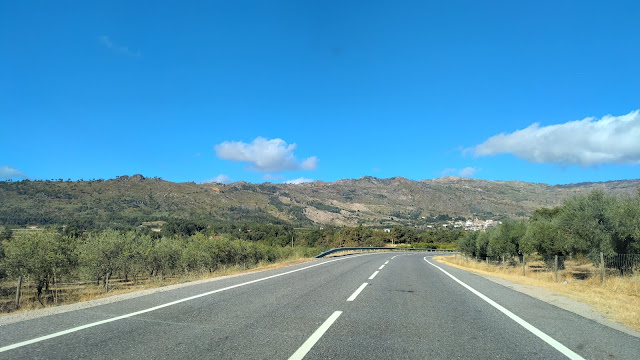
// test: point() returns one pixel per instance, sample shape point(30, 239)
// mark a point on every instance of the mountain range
point(370, 201)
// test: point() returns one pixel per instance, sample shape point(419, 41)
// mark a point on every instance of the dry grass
point(618, 298)
point(69, 293)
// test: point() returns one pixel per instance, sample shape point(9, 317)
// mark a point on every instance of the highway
point(366, 306)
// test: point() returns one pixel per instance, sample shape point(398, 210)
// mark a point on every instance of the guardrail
point(372, 249)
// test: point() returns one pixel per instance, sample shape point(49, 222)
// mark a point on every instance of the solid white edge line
point(101, 322)
point(374, 275)
point(535, 331)
point(313, 339)
point(381, 266)
point(357, 292)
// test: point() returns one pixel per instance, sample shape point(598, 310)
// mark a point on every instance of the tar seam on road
point(357, 292)
point(374, 275)
point(125, 316)
point(313, 339)
point(535, 331)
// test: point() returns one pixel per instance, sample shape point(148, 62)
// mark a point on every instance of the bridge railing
point(345, 250)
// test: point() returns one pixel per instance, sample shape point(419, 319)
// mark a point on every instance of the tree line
point(583, 225)
point(68, 253)
point(326, 237)
point(47, 257)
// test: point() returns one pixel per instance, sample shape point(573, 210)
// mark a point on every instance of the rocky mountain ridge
point(370, 201)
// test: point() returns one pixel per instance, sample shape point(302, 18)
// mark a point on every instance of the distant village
point(473, 225)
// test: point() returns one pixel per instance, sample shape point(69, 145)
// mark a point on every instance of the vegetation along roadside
point(588, 249)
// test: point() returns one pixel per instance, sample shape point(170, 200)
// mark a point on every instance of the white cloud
point(448, 171)
point(272, 177)
point(587, 142)
point(111, 45)
point(220, 179)
point(298, 181)
point(466, 172)
point(265, 155)
point(7, 172)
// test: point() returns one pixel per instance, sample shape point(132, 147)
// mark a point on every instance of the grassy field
point(73, 292)
point(617, 298)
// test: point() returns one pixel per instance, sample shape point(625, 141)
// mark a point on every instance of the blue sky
point(543, 91)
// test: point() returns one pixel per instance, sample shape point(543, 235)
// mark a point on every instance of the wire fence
point(577, 267)
point(624, 263)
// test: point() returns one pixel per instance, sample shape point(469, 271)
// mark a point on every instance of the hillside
point(129, 200)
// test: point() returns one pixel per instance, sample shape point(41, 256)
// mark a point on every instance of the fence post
point(18, 289)
point(602, 264)
point(555, 268)
point(523, 264)
point(486, 259)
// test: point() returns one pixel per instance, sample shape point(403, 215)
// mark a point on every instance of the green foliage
point(320, 206)
point(276, 235)
point(42, 256)
point(103, 254)
point(625, 218)
point(588, 224)
point(164, 256)
point(583, 225)
point(182, 227)
point(482, 243)
point(467, 243)
point(3, 271)
point(505, 239)
point(5, 233)
point(542, 236)
point(404, 234)
point(423, 245)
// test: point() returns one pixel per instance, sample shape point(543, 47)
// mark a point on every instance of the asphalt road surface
point(369, 306)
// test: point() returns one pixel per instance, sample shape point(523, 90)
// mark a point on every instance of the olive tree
point(101, 255)
point(42, 256)
point(588, 224)
point(505, 240)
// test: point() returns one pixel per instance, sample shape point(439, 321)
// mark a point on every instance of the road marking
point(125, 316)
point(386, 262)
point(313, 339)
point(394, 257)
point(381, 266)
point(535, 331)
point(374, 275)
point(357, 292)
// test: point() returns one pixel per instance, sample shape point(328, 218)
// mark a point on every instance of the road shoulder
point(54, 310)
point(553, 298)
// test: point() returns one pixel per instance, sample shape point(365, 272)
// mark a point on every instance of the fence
point(578, 267)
